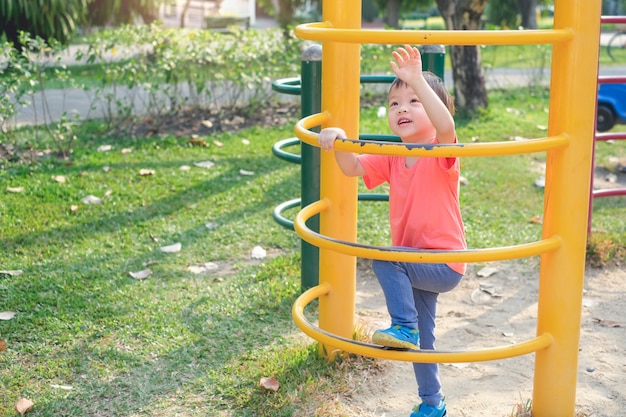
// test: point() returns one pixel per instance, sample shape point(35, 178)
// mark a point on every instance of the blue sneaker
point(425, 410)
point(398, 337)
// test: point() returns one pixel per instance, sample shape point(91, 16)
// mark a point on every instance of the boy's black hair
point(436, 84)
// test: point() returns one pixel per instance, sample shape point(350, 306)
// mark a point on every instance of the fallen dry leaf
point(63, 387)
point(74, 207)
point(218, 143)
point(204, 164)
point(489, 289)
point(207, 123)
point(245, 141)
point(58, 178)
point(141, 274)
point(487, 271)
point(15, 189)
point(3, 345)
point(185, 168)
point(176, 247)
point(480, 297)
point(7, 315)
point(91, 199)
point(198, 142)
point(11, 272)
point(608, 323)
point(258, 253)
point(540, 182)
point(23, 406)
point(146, 172)
point(127, 150)
point(203, 268)
point(244, 172)
point(104, 148)
point(269, 383)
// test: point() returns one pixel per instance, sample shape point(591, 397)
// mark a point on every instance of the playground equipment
point(574, 40)
point(617, 88)
point(308, 87)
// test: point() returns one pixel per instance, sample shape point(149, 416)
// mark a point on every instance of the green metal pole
point(433, 59)
point(311, 100)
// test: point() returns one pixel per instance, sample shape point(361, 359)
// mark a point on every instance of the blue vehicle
point(611, 106)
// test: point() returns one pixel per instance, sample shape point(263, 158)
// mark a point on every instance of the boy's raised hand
point(408, 63)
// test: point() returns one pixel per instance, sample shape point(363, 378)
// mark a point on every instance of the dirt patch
point(201, 122)
point(468, 318)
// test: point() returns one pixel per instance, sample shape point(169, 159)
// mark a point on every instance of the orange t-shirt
point(424, 210)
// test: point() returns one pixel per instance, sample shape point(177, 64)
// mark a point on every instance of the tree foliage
point(513, 13)
point(503, 13)
point(290, 12)
point(60, 19)
point(393, 9)
point(57, 19)
point(117, 12)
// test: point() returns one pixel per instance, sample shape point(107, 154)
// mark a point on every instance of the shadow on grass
point(226, 328)
point(166, 206)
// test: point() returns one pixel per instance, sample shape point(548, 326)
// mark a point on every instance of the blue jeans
point(411, 291)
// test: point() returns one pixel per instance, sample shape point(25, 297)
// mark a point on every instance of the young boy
point(424, 213)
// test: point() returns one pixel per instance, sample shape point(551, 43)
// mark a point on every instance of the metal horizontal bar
point(431, 356)
point(439, 150)
point(415, 255)
point(323, 31)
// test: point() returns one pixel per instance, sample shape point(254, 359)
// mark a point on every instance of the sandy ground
point(470, 318)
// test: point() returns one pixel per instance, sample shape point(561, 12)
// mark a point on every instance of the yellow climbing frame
point(569, 144)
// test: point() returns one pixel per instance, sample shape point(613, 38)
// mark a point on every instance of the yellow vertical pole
point(566, 200)
point(340, 98)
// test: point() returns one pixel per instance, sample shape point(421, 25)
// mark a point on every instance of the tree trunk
point(183, 14)
point(393, 13)
point(528, 10)
point(285, 13)
point(470, 92)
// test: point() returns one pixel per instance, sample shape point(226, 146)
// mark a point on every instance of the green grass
point(183, 344)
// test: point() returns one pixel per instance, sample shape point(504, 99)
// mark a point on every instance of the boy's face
point(407, 117)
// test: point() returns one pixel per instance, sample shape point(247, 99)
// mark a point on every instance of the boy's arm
point(347, 161)
point(408, 67)
point(436, 110)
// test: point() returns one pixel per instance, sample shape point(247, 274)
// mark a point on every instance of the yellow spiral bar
point(324, 31)
point(436, 356)
point(440, 151)
point(428, 256)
